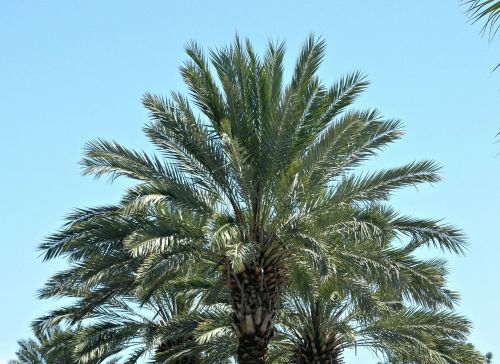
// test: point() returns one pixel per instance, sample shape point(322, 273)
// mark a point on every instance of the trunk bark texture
point(255, 296)
point(315, 352)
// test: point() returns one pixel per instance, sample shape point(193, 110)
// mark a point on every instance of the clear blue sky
point(71, 71)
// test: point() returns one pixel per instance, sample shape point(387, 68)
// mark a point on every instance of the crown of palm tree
point(322, 319)
point(50, 346)
point(262, 179)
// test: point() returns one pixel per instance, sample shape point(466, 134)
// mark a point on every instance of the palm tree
point(185, 336)
point(166, 331)
point(111, 317)
point(323, 332)
point(263, 179)
point(52, 346)
point(321, 319)
point(172, 327)
point(488, 10)
point(453, 352)
point(488, 358)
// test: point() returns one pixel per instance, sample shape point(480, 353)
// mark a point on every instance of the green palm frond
point(487, 10)
point(50, 346)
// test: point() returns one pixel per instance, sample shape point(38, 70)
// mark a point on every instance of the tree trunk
point(310, 352)
point(255, 295)
point(325, 358)
point(252, 349)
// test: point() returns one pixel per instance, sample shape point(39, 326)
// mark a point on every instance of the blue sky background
point(71, 71)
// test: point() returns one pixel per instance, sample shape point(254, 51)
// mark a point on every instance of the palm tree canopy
point(50, 346)
point(261, 177)
point(263, 163)
point(320, 319)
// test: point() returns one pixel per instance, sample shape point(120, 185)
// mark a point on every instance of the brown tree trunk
point(252, 349)
point(310, 352)
point(255, 295)
point(324, 358)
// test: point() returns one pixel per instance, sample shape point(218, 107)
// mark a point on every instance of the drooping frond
point(487, 10)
